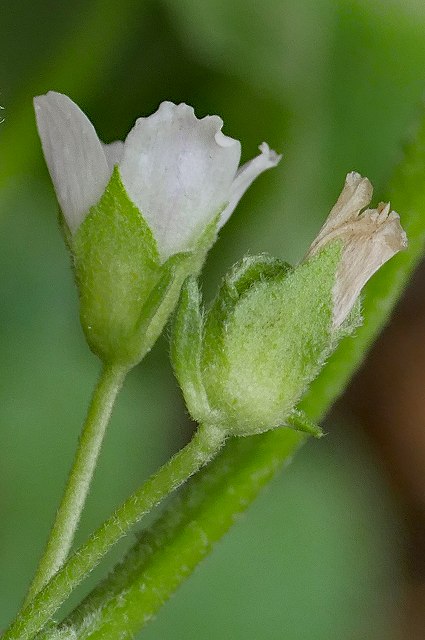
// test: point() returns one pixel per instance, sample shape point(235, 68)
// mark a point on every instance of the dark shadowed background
point(334, 86)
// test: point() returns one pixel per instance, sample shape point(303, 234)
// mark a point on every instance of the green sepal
point(263, 349)
point(186, 351)
point(116, 265)
point(236, 283)
point(161, 301)
point(172, 275)
point(299, 421)
point(126, 295)
point(245, 275)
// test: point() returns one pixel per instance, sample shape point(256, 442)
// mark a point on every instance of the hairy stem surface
point(79, 479)
point(168, 553)
point(206, 442)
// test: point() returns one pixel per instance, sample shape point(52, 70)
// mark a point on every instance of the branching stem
point(206, 442)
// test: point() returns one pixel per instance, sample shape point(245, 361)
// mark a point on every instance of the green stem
point(167, 553)
point(206, 442)
point(77, 487)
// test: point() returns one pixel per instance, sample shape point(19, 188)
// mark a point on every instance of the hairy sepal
point(265, 342)
point(126, 294)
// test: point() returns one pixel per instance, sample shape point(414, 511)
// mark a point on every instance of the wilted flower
point(370, 238)
point(179, 171)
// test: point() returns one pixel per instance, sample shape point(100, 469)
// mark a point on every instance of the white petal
point(178, 170)
point(113, 152)
point(246, 176)
point(74, 155)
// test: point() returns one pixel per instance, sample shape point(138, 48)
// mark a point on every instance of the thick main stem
point(78, 484)
point(206, 442)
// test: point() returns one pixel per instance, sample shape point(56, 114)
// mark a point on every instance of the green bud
point(264, 339)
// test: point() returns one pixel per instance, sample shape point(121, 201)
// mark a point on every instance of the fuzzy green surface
point(186, 350)
point(126, 295)
point(273, 343)
point(116, 265)
point(246, 273)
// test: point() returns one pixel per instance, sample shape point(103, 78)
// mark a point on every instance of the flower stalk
point(79, 480)
point(167, 553)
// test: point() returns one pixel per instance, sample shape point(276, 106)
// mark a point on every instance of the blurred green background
point(334, 86)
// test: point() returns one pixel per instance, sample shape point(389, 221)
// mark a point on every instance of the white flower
point(370, 238)
point(179, 171)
